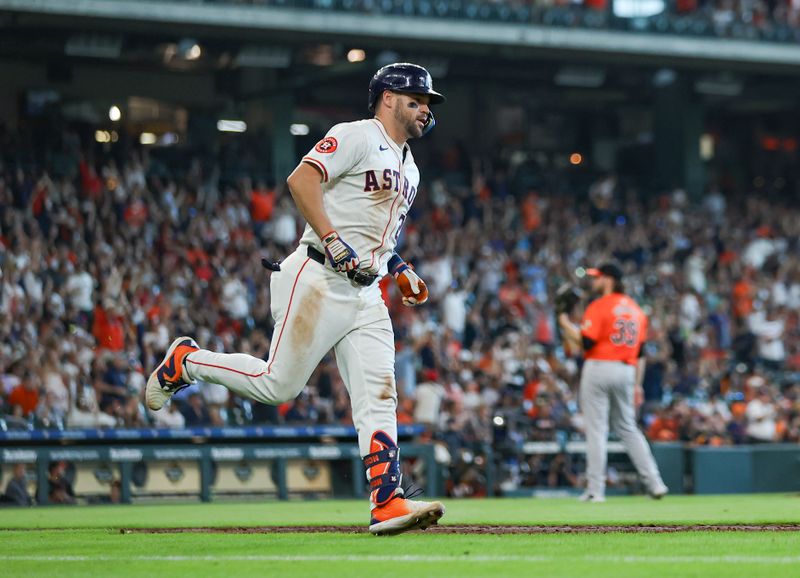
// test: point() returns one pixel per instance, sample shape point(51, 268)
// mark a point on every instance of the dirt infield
point(482, 529)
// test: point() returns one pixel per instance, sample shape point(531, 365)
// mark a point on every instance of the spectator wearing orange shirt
point(664, 427)
point(109, 328)
point(743, 293)
point(405, 411)
point(136, 212)
point(24, 398)
point(262, 205)
point(531, 216)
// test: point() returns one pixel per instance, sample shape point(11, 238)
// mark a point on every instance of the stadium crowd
point(739, 19)
point(106, 256)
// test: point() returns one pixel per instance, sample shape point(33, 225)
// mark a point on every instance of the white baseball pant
point(316, 309)
point(606, 394)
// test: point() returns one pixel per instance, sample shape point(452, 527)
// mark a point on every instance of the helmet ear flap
point(374, 97)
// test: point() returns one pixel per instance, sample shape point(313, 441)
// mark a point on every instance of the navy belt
point(356, 276)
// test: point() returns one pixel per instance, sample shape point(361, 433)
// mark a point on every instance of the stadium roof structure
point(300, 22)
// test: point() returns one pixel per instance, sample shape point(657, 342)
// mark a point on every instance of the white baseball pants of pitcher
point(316, 309)
point(606, 396)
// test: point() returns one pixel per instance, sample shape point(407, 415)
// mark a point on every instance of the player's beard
point(595, 291)
point(408, 120)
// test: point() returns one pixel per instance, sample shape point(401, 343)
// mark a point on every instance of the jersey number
point(626, 333)
point(400, 222)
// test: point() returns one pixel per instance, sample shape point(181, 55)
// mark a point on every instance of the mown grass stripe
point(410, 558)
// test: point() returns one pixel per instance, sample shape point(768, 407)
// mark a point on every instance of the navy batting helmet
point(402, 77)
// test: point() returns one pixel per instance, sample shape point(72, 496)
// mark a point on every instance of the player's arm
point(570, 332)
point(413, 288)
point(585, 336)
point(641, 364)
point(305, 185)
point(638, 391)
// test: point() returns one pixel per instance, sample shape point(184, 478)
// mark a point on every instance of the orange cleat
point(392, 512)
point(168, 378)
point(402, 515)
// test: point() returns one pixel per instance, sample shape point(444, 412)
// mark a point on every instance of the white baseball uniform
point(369, 183)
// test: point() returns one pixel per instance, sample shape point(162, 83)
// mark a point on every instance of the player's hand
point(341, 255)
point(412, 287)
point(566, 298)
point(638, 397)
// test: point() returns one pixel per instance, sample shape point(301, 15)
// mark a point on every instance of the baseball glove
point(567, 297)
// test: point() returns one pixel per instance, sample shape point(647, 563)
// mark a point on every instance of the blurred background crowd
point(750, 19)
point(106, 257)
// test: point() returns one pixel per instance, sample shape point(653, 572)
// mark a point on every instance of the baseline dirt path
point(483, 529)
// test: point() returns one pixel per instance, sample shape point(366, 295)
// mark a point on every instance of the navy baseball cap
point(607, 270)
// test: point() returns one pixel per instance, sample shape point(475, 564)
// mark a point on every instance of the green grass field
point(86, 541)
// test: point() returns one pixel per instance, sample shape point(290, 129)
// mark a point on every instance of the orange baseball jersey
point(617, 325)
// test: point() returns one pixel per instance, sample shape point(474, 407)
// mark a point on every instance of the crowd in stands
point(104, 260)
point(740, 19)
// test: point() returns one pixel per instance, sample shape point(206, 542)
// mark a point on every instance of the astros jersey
point(617, 326)
point(368, 185)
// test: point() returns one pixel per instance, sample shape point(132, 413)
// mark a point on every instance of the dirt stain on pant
point(306, 318)
point(388, 390)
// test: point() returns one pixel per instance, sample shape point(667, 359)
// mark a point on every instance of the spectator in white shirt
point(769, 329)
point(80, 289)
point(761, 414)
point(430, 394)
point(172, 418)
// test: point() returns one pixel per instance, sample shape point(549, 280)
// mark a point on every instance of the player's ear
point(387, 97)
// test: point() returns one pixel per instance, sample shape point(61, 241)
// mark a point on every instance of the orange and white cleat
point(392, 512)
point(169, 377)
point(402, 515)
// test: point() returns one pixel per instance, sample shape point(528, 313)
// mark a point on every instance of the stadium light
point(187, 48)
point(114, 113)
point(147, 138)
point(356, 55)
point(168, 139)
point(637, 8)
point(104, 136)
point(231, 126)
point(706, 147)
point(194, 52)
point(299, 129)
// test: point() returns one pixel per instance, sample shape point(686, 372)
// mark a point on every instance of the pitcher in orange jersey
point(611, 335)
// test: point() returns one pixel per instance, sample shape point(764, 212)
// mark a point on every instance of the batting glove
point(412, 287)
point(341, 255)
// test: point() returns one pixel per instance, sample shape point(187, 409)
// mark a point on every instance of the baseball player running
point(354, 189)
point(611, 336)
